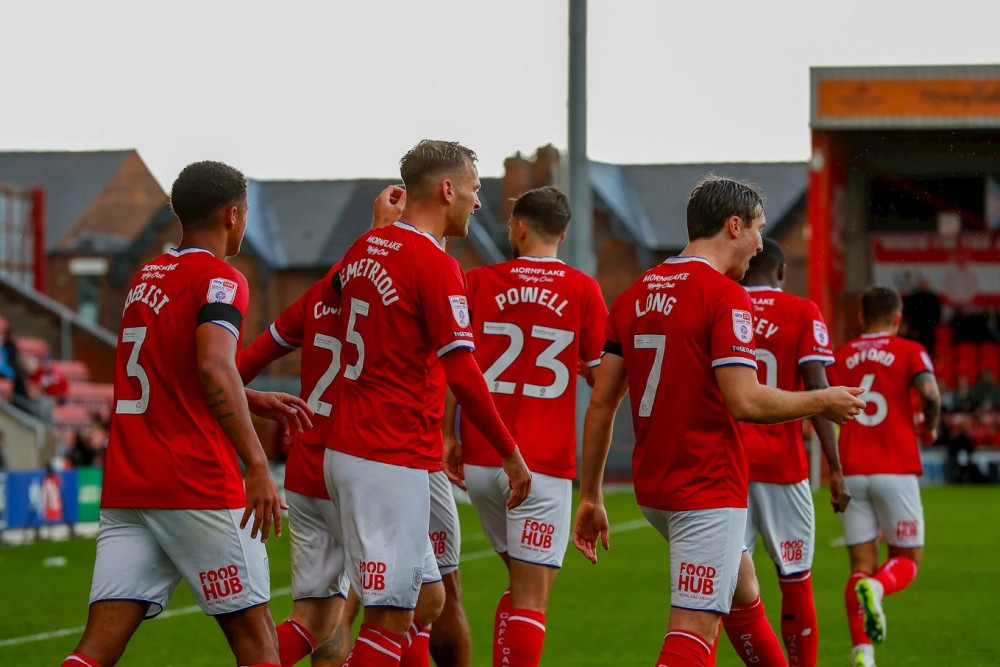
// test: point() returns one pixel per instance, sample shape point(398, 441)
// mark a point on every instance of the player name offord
point(374, 271)
point(540, 295)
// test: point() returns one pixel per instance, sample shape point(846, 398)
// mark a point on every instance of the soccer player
point(174, 504)
point(680, 340)
point(309, 324)
point(404, 316)
point(881, 460)
point(535, 318)
point(793, 349)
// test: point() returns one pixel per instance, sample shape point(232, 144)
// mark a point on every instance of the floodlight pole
point(581, 232)
point(580, 252)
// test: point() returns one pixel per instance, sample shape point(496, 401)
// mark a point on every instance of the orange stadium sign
point(908, 98)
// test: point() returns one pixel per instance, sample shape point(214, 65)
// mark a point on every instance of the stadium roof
point(651, 200)
point(73, 180)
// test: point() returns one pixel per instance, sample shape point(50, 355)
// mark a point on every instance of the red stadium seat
point(73, 371)
point(32, 347)
point(71, 416)
point(93, 396)
point(942, 337)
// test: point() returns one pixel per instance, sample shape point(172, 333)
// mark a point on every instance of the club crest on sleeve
point(820, 333)
point(743, 325)
point(418, 578)
point(221, 290)
point(460, 310)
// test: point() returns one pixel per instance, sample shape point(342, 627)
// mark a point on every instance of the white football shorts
point(142, 554)
point(887, 503)
point(537, 530)
point(444, 531)
point(317, 555)
point(384, 514)
point(705, 551)
point(783, 516)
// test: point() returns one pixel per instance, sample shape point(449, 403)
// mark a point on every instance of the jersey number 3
point(132, 406)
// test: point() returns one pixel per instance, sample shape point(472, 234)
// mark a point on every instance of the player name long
point(151, 295)
point(373, 271)
point(655, 303)
point(539, 295)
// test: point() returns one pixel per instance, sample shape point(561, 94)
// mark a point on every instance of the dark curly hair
point(204, 187)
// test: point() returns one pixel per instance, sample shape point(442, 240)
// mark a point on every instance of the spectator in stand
point(986, 394)
point(963, 401)
point(961, 469)
point(50, 381)
point(922, 312)
point(10, 367)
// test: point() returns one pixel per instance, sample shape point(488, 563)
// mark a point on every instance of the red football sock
point(500, 627)
point(751, 635)
point(896, 574)
point(265, 664)
point(855, 617)
point(683, 649)
point(294, 642)
point(525, 636)
point(77, 660)
point(375, 647)
point(798, 620)
point(416, 646)
point(710, 661)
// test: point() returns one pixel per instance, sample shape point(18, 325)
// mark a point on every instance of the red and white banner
point(962, 269)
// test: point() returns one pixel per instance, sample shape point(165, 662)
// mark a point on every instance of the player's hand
point(591, 523)
point(519, 478)
point(291, 411)
point(928, 436)
point(263, 503)
point(842, 404)
point(585, 372)
point(388, 206)
point(839, 497)
point(453, 466)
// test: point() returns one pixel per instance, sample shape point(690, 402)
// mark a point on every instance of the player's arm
point(748, 400)
point(260, 354)
point(814, 379)
point(453, 466)
point(930, 399)
point(591, 519)
point(466, 382)
point(226, 397)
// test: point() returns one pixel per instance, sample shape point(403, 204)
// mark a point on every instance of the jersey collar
point(681, 259)
point(876, 334)
point(177, 253)
point(410, 228)
point(761, 288)
point(533, 258)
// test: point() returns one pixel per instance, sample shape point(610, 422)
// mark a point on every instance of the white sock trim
point(378, 648)
point(525, 619)
point(691, 635)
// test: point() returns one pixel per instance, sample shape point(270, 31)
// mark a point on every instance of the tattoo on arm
point(930, 398)
point(217, 402)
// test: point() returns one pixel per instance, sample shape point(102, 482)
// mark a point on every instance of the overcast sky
point(341, 89)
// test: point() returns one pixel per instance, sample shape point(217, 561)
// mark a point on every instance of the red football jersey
point(311, 324)
point(166, 448)
point(882, 440)
point(675, 325)
point(404, 305)
point(788, 331)
point(534, 319)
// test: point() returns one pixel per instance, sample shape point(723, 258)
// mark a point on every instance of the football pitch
point(610, 614)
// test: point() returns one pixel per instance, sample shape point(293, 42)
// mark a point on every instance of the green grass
point(611, 614)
